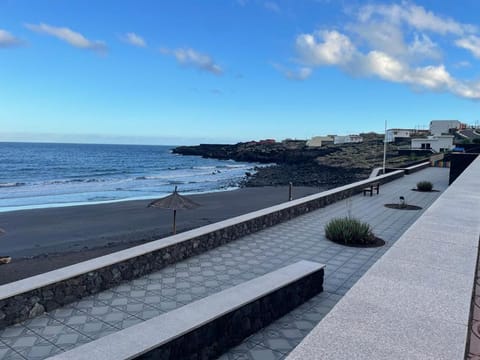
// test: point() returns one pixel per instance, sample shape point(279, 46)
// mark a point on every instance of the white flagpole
point(385, 148)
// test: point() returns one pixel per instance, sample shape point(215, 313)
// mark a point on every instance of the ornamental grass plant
point(424, 186)
point(349, 231)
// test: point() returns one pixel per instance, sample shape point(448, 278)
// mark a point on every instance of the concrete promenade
point(231, 264)
point(415, 302)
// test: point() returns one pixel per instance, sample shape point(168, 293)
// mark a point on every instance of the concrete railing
point(414, 168)
point(30, 297)
point(414, 303)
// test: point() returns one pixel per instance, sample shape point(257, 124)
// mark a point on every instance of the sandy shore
point(45, 239)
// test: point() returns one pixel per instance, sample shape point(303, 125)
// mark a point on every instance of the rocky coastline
point(293, 161)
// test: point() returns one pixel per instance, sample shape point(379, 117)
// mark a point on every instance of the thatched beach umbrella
point(175, 202)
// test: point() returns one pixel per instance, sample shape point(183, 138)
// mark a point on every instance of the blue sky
point(179, 72)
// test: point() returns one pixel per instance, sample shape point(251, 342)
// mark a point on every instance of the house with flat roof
point(439, 143)
point(439, 127)
point(319, 141)
point(404, 134)
point(347, 139)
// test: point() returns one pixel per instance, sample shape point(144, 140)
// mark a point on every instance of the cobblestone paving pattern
point(227, 266)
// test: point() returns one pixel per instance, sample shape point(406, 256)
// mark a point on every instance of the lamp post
point(385, 148)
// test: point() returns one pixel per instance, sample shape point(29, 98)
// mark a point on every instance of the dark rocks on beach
point(304, 174)
point(290, 161)
point(265, 153)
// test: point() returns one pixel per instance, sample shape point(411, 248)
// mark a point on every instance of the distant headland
point(321, 162)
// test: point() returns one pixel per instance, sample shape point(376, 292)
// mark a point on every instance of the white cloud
point(134, 39)
point(384, 36)
point(422, 47)
point(7, 40)
point(272, 6)
point(389, 37)
point(335, 48)
point(471, 43)
point(324, 48)
point(415, 16)
point(301, 73)
point(242, 2)
point(469, 90)
point(69, 36)
point(192, 58)
point(390, 42)
point(462, 64)
point(385, 67)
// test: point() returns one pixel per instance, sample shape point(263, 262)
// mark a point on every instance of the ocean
point(39, 175)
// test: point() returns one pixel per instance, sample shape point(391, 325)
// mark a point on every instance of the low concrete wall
point(415, 168)
point(208, 327)
point(30, 297)
point(412, 169)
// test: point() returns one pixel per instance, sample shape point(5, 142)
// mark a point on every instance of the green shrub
point(349, 231)
point(424, 186)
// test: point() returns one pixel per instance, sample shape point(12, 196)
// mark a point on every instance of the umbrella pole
point(174, 222)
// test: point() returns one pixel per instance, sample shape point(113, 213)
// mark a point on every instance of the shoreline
point(84, 203)
point(41, 240)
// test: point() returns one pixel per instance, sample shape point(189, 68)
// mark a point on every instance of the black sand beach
point(41, 240)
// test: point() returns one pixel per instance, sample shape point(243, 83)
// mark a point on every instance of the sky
point(185, 72)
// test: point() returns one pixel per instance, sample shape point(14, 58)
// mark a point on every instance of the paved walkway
point(228, 265)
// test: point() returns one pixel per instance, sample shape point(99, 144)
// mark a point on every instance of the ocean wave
point(176, 182)
point(151, 177)
point(72, 181)
point(203, 167)
point(14, 184)
point(242, 166)
point(102, 198)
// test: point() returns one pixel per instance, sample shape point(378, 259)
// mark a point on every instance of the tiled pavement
point(228, 265)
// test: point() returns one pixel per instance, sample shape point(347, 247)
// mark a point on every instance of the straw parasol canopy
point(175, 202)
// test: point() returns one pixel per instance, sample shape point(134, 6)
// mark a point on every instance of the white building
point(394, 134)
point(439, 127)
point(347, 139)
point(440, 143)
point(319, 141)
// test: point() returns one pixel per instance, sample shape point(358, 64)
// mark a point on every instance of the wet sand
point(41, 240)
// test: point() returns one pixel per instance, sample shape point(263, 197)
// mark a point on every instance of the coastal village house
point(347, 139)
point(440, 143)
point(319, 141)
point(439, 127)
point(404, 134)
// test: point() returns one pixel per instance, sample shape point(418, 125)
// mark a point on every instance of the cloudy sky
point(226, 70)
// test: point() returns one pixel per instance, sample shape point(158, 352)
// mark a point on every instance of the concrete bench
point(373, 186)
point(210, 326)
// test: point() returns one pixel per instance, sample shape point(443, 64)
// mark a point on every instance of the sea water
point(38, 175)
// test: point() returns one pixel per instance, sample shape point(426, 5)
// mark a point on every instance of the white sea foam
point(51, 175)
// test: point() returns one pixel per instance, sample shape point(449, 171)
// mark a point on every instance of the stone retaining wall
point(30, 297)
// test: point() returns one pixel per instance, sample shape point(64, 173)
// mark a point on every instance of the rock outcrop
point(293, 161)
